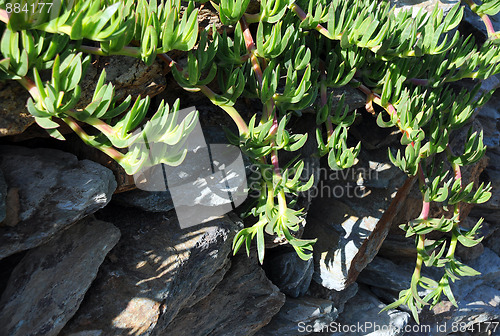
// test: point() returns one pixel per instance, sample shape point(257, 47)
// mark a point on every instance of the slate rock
point(55, 191)
point(383, 273)
point(491, 209)
point(152, 273)
point(289, 272)
point(351, 218)
point(427, 5)
point(339, 298)
point(3, 196)
point(242, 303)
point(363, 312)
point(300, 315)
point(154, 201)
point(47, 286)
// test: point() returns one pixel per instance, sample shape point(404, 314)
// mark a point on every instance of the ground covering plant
point(289, 55)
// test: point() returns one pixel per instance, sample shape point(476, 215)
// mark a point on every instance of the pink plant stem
point(250, 44)
point(485, 18)
point(4, 16)
point(29, 85)
point(269, 105)
point(488, 24)
point(424, 214)
point(110, 151)
point(302, 16)
point(324, 101)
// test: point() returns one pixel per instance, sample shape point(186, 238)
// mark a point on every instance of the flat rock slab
point(48, 285)
point(152, 273)
point(352, 216)
point(55, 191)
point(242, 303)
point(291, 274)
point(153, 201)
point(299, 316)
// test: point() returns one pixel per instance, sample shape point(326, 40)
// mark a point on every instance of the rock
point(469, 253)
point(490, 210)
point(152, 273)
point(351, 219)
point(383, 273)
point(12, 207)
point(154, 201)
point(291, 274)
point(493, 242)
point(426, 5)
point(363, 312)
point(47, 286)
point(305, 314)
point(339, 298)
point(489, 114)
point(398, 247)
point(55, 191)
point(242, 303)
point(3, 196)
point(14, 117)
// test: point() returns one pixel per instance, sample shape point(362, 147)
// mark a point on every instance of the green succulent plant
point(295, 53)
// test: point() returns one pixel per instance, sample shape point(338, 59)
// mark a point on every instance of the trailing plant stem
point(29, 85)
point(110, 151)
point(250, 44)
point(231, 111)
point(126, 51)
point(485, 18)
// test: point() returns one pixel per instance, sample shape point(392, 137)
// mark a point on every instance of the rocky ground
point(82, 253)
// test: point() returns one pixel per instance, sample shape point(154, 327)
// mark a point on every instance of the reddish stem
point(4, 16)
point(302, 16)
point(250, 44)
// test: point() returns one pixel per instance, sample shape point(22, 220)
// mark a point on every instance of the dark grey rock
point(364, 310)
point(242, 303)
point(48, 285)
point(300, 315)
point(491, 209)
point(383, 273)
point(154, 201)
point(290, 273)
point(339, 298)
point(489, 114)
point(55, 191)
point(3, 196)
point(493, 242)
point(153, 272)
